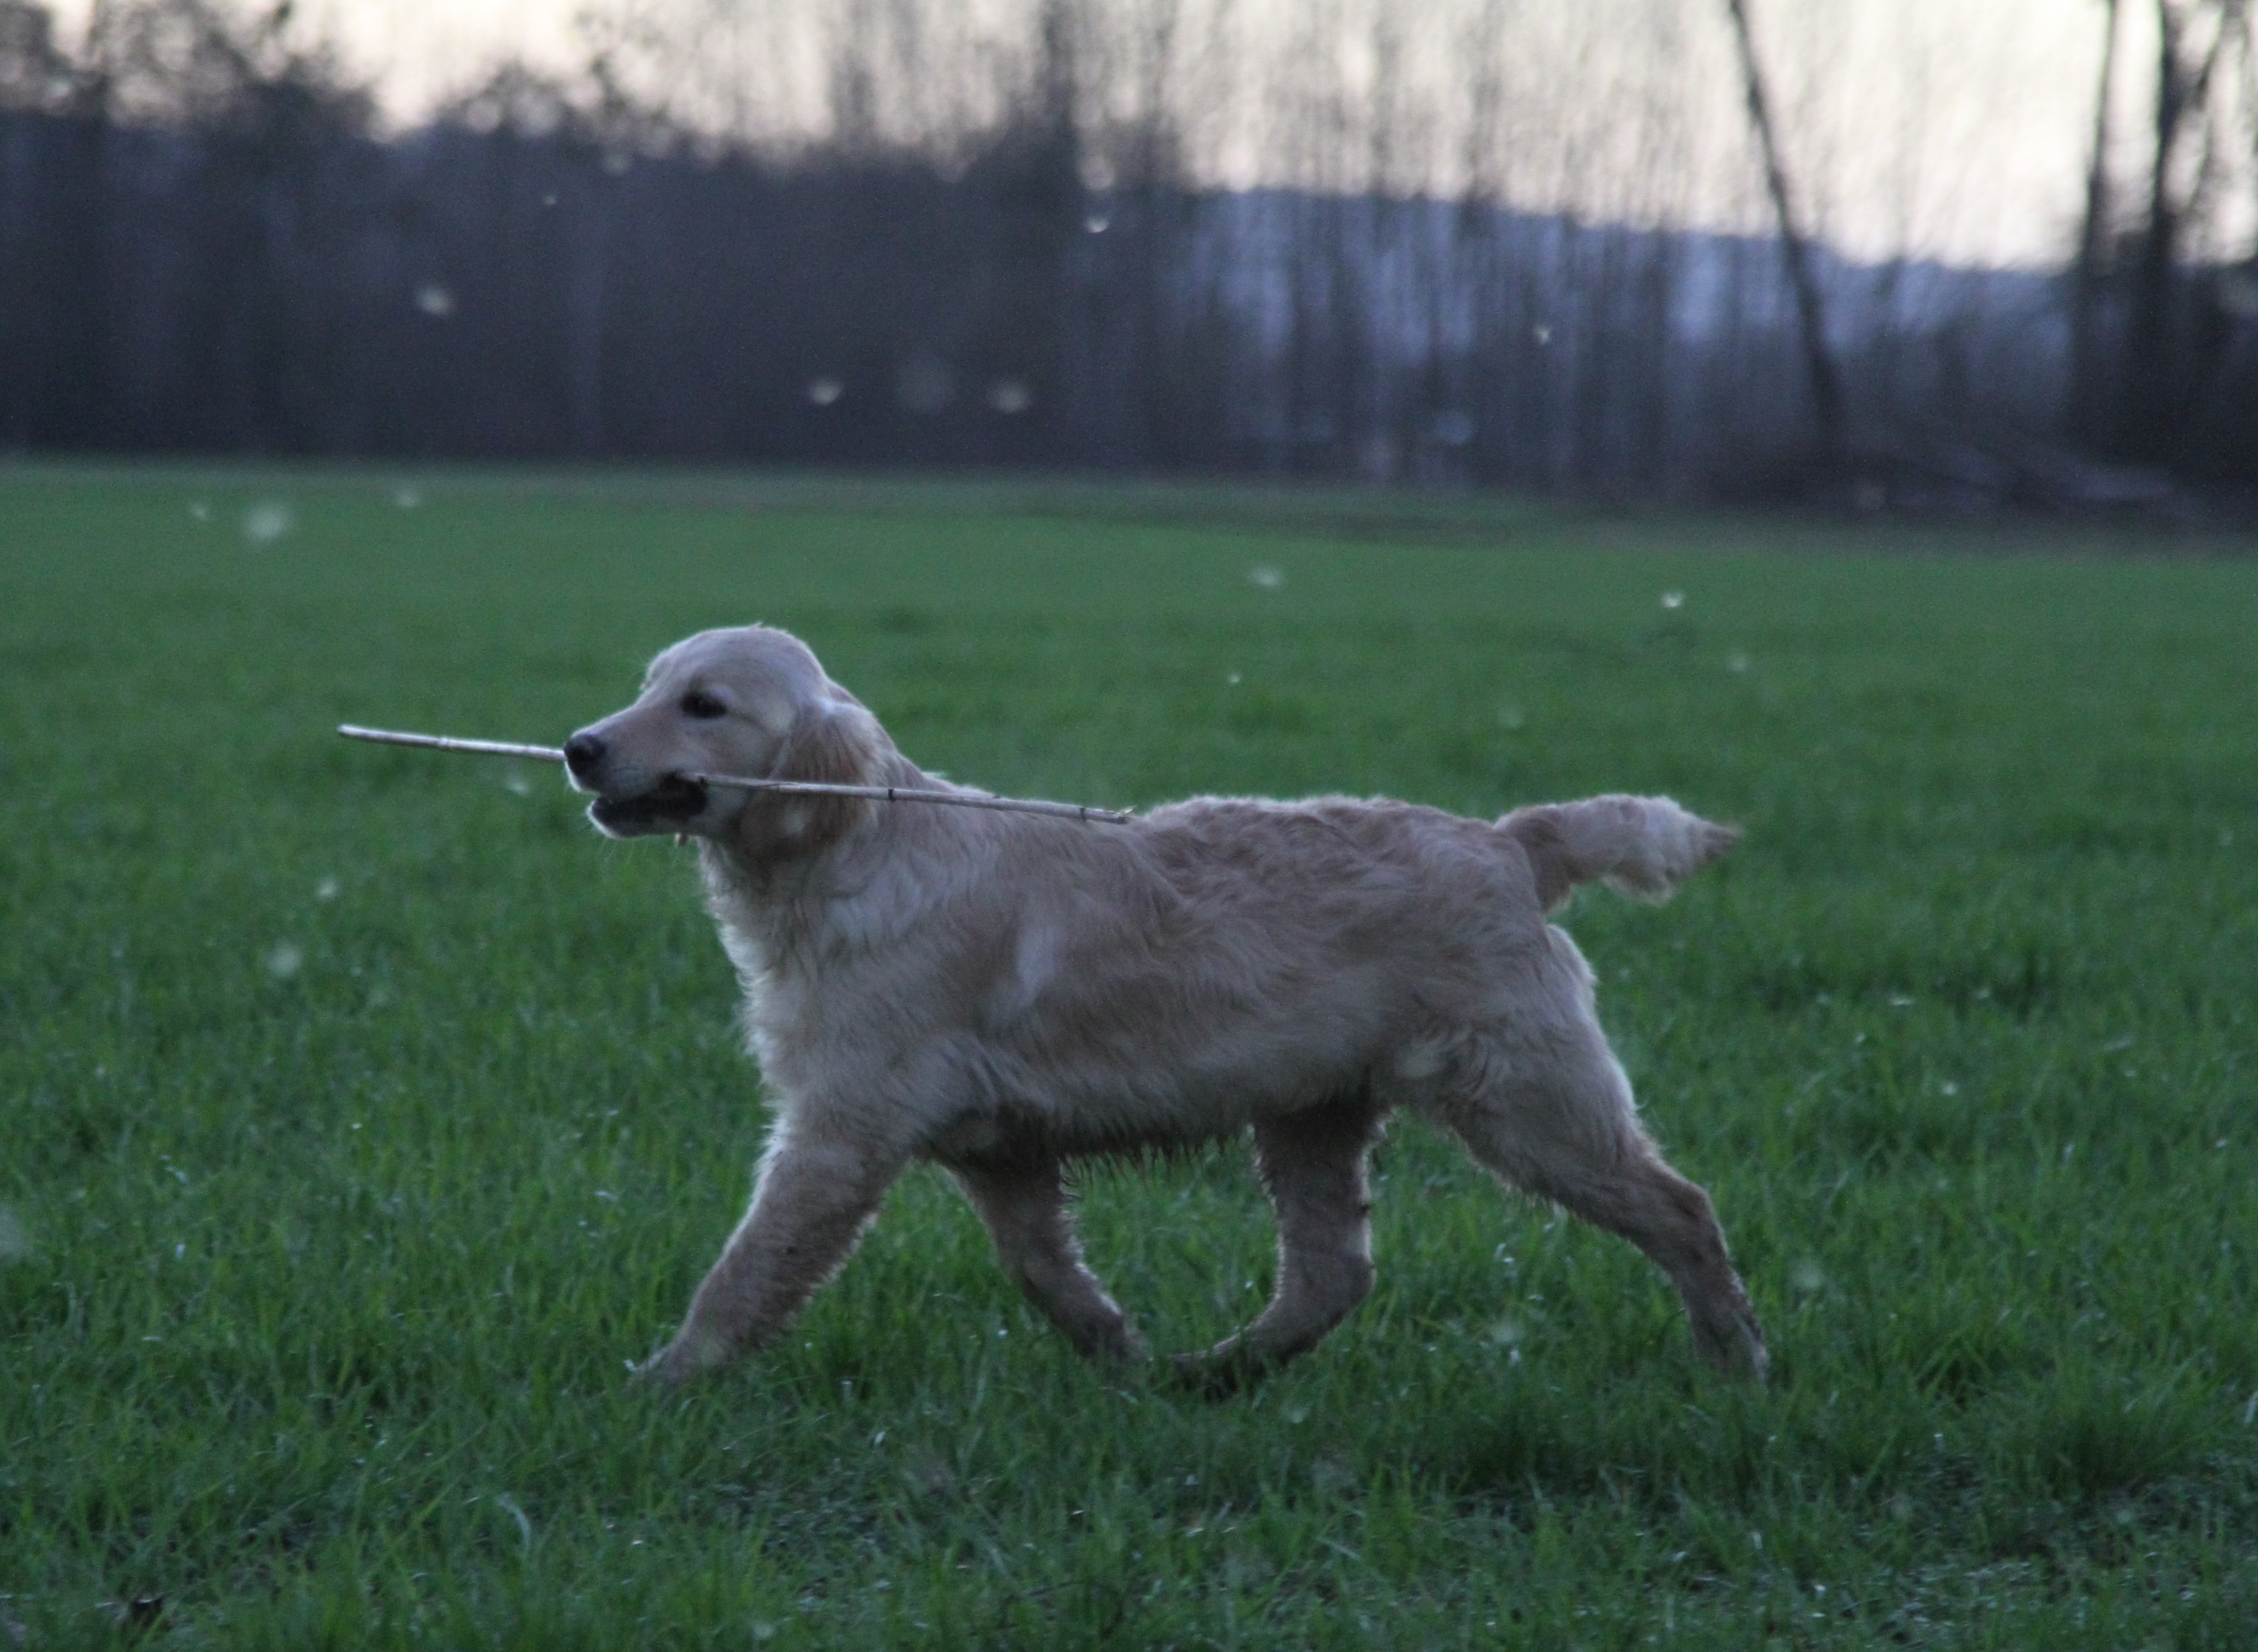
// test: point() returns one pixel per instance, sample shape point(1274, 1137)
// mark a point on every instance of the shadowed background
point(1915, 256)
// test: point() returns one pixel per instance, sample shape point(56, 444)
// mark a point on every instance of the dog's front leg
point(816, 1190)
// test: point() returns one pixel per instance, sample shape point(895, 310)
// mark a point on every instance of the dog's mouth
point(672, 801)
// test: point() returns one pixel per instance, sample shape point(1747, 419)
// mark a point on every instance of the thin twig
point(444, 742)
point(891, 794)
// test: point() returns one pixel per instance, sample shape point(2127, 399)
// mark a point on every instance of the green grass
point(362, 1115)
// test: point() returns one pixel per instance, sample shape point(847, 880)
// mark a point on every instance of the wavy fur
point(1001, 993)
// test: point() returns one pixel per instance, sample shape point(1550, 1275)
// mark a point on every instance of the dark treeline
point(207, 246)
point(483, 294)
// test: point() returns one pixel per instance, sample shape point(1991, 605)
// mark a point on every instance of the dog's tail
point(1641, 847)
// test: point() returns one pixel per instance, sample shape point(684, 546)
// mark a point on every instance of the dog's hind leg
point(1312, 1164)
point(1563, 1129)
point(1025, 1208)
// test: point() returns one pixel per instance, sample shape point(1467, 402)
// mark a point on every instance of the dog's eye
point(701, 704)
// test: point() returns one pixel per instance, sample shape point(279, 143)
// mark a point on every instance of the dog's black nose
point(582, 753)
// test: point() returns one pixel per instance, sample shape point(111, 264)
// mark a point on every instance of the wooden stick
point(891, 794)
point(441, 742)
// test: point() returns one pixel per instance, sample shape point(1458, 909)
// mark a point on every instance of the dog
point(1001, 993)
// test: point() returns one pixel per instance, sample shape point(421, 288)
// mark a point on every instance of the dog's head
point(750, 702)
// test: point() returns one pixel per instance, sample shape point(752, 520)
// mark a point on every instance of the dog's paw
point(1737, 1349)
point(1117, 1345)
point(684, 1358)
point(652, 1373)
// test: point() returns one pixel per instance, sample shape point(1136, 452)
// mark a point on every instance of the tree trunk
point(1825, 378)
point(2084, 418)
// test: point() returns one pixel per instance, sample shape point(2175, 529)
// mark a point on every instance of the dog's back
point(1225, 958)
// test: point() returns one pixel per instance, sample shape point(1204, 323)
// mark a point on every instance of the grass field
point(362, 1114)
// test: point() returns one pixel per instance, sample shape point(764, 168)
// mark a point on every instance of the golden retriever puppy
point(997, 993)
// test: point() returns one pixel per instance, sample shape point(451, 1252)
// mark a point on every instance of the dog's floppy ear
point(834, 742)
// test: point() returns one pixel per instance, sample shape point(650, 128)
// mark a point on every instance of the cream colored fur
point(1000, 993)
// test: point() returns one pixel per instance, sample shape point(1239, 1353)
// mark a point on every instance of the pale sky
point(1957, 128)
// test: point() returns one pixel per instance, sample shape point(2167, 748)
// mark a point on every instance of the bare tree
point(2152, 371)
point(1825, 378)
point(2086, 365)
